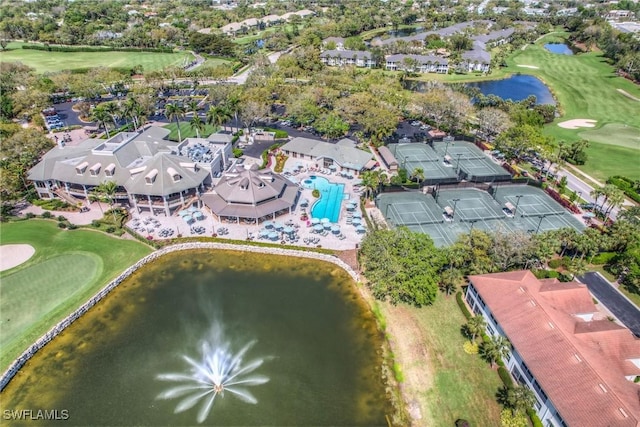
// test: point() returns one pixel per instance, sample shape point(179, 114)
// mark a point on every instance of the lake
point(517, 88)
point(559, 48)
point(316, 359)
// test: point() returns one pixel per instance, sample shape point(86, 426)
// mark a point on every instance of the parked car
point(415, 123)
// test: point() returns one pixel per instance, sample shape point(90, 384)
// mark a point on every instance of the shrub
point(463, 306)
point(72, 226)
point(509, 419)
point(237, 152)
point(546, 274)
point(62, 225)
point(535, 420)
point(504, 375)
point(47, 215)
point(555, 263)
point(603, 258)
point(564, 202)
point(626, 185)
point(470, 347)
point(30, 215)
point(95, 223)
point(315, 193)
point(62, 218)
point(462, 423)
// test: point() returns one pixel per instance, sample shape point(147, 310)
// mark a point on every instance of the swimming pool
point(331, 196)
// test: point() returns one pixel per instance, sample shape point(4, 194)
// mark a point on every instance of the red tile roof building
point(580, 365)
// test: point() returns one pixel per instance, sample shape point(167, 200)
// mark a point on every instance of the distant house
point(580, 365)
point(417, 63)
point(270, 20)
point(231, 29)
point(618, 14)
point(477, 59)
point(341, 58)
point(151, 172)
point(338, 41)
point(496, 38)
point(343, 155)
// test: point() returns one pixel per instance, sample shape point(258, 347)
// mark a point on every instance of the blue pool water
point(331, 195)
point(559, 48)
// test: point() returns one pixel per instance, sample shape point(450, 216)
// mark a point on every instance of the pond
point(559, 48)
point(302, 346)
point(517, 88)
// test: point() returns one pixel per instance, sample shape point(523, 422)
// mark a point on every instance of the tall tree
point(100, 115)
point(175, 112)
point(197, 124)
point(401, 266)
point(495, 349)
point(476, 326)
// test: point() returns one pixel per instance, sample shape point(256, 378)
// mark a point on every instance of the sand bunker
point(529, 66)
point(13, 255)
point(578, 123)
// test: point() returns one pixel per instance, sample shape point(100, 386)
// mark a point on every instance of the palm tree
point(100, 115)
point(107, 191)
point(175, 112)
point(192, 106)
point(112, 108)
point(218, 116)
point(449, 281)
point(476, 326)
point(521, 399)
point(418, 174)
point(616, 199)
point(495, 349)
point(132, 109)
point(197, 124)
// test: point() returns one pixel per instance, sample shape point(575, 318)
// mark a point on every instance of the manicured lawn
point(214, 62)
point(187, 132)
point(461, 385)
point(44, 61)
point(614, 134)
point(67, 268)
point(606, 160)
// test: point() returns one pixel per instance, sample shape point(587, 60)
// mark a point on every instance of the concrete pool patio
point(298, 170)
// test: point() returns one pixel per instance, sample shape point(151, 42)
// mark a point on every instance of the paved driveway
point(617, 304)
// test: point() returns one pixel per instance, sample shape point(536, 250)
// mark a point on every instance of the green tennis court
point(446, 214)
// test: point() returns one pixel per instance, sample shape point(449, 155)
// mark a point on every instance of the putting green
point(69, 266)
point(614, 134)
point(31, 293)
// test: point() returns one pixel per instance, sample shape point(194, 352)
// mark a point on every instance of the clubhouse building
point(580, 365)
point(343, 156)
point(152, 173)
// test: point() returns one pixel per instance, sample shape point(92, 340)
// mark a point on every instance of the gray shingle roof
point(345, 156)
point(251, 193)
point(346, 54)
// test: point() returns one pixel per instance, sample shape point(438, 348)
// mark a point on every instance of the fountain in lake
point(218, 371)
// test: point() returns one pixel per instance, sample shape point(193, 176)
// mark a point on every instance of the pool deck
point(243, 231)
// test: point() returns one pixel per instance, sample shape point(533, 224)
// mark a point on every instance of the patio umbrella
point(325, 220)
point(315, 221)
point(333, 167)
point(357, 215)
point(335, 228)
point(188, 219)
point(327, 225)
point(150, 229)
point(304, 202)
point(278, 225)
point(198, 215)
point(360, 229)
point(192, 209)
point(273, 236)
point(318, 227)
point(268, 224)
point(263, 233)
point(288, 230)
point(299, 165)
point(351, 208)
point(356, 221)
point(183, 212)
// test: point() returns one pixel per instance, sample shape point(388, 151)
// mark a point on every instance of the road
point(583, 189)
point(627, 312)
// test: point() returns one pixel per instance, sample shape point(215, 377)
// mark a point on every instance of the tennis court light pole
point(458, 163)
point(516, 208)
point(540, 222)
point(455, 202)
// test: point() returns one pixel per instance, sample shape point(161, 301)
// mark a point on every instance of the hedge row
point(509, 169)
point(626, 185)
point(564, 202)
point(505, 376)
point(61, 48)
point(463, 306)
